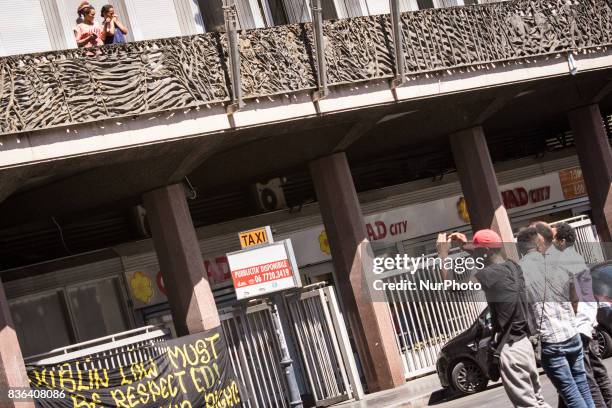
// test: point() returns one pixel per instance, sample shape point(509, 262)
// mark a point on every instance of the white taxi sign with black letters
point(255, 237)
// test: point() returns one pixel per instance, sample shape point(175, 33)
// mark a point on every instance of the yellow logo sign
point(323, 243)
point(255, 237)
point(142, 287)
point(462, 210)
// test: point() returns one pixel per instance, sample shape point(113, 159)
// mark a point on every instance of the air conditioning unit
point(270, 196)
point(140, 222)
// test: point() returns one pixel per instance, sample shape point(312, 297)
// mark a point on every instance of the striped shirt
point(548, 289)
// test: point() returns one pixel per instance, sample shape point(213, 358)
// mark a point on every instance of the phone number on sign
point(29, 394)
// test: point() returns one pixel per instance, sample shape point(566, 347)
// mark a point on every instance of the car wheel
point(605, 343)
point(468, 378)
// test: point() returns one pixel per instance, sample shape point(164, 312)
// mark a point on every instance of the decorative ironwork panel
point(358, 52)
point(277, 60)
point(43, 90)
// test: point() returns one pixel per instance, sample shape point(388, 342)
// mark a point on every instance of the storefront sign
point(572, 183)
point(192, 371)
point(255, 237)
point(264, 270)
point(521, 197)
point(146, 285)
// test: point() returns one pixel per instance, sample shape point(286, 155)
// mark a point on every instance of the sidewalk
point(415, 393)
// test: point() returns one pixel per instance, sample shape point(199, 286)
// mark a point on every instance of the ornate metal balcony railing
point(51, 89)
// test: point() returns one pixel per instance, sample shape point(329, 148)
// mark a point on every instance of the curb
point(416, 402)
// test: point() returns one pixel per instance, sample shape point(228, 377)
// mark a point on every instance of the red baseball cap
point(484, 238)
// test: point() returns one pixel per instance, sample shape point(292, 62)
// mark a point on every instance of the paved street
point(495, 395)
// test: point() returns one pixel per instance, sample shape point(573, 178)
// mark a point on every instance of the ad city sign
point(440, 215)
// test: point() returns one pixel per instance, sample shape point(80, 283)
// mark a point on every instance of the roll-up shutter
point(23, 27)
point(298, 11)
point(153, 19)
point(375, 7)
point(350, 8)
point(189, 16)
point(63, 277)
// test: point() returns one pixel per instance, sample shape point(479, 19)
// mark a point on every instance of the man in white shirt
point(562, 354)
point(573, 264)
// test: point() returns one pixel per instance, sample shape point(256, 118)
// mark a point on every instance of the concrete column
point(370, 322)
point(479, 184)
point(596, 162)
point(12, 369)
point(189, 294)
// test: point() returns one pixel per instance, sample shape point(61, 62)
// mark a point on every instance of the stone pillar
point(189, 293)
point(479, 185)
point(369, 321)
point(12, 369)
point(595, 159)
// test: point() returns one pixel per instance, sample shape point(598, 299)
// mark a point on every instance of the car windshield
point(602, 283)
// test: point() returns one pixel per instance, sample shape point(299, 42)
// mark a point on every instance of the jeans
point(563, 364)
point(597, 375)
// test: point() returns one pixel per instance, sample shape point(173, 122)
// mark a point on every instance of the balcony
point(62, 88)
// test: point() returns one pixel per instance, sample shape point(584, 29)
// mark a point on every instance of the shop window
point(69, 315)
point(41, 322)
point(96, 309)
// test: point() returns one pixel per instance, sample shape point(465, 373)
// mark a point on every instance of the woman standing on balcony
point(88, 33)
point(114, 30)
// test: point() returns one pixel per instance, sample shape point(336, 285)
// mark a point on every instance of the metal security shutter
point(23, 28)
point(63, 277)
point(447, 3)
point(375, 7)
point(153, 19)
point(349, 8)
point(189, 16)
point(298, 11)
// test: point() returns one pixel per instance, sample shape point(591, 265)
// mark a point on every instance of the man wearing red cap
point(504, 287)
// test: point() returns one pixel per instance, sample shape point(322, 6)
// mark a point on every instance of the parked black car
point(602, 287)
point(461, 363)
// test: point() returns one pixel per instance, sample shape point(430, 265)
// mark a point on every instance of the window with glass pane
point(41, 323)
point(97, 309)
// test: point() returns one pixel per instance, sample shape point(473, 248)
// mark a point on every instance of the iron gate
point(255, 354)
point(318, 332)
point(325, 350)
point(425, 320)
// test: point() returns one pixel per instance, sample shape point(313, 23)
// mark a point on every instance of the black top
point(504, 288)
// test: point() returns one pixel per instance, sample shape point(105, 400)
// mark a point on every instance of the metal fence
point(587, 241)
point(255, 354)
point(320, 333)
point(425, 320)
point(317, 330)
point(110, 352)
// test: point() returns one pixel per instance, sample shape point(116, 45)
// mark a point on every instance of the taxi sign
point(255, 237)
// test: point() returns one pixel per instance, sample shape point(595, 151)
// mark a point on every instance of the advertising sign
point(572, 183)
point(262, 270)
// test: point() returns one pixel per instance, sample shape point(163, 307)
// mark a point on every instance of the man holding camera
point(504, 287)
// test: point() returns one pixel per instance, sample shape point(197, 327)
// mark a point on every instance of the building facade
point(130, 169)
